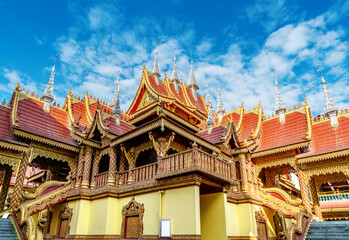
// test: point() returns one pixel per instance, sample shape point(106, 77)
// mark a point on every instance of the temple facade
point(170, 167)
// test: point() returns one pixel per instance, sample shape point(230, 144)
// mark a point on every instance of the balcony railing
point(333, 196)
point(101, 179)
point(144, 172)
point(194, 160)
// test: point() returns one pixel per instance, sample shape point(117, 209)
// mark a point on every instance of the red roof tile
point(326, 139)
point(160, 88)
point(215, 136)
point(118, 129)
point(231, 116)
point(79, 112)
point(5, 127)
point(274, 134)
point(53, 125)
point(249, 122)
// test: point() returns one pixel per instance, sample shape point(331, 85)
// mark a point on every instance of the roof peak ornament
point(220, 107)
point(48, 96)
point(156, 71)
point(192, 79)
point(330, 109)
point(116, 111)
point(174, 77)
point(280, 107)
point(210, 120)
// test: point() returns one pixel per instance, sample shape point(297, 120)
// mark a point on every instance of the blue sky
point(238, 42)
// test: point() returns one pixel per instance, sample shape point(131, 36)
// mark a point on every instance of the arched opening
point(104, 164)
point(171, 151)
point(146, 157)
point(52, 170)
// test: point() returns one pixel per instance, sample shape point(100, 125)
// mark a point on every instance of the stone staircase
point(7, 231)
point(328, 230)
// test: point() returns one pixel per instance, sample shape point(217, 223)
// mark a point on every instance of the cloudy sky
point(237, 42)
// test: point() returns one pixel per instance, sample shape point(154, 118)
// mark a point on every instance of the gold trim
point(274, 163)
point(14, 147)
point(280, 149)
point(55, 143)
point(294, 202)
point(88, 110)
point(324, 156)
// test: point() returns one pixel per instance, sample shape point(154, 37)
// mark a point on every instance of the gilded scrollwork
point(338, 168)
point(161, 145)
point(276, 163)
point(43, 187)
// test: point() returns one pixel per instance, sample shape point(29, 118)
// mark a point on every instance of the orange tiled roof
point(326, 139)
point(5, 127)
point(53, 125)
point(215, 136)
point(118, 129)
point(275, 134)
point(249, 124)
point(79, 112)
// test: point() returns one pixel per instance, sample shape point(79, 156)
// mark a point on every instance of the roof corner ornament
point(48, 96)
point(156, 71)
point(220, 107)
point(116, 111)
point(330, 109)
point(174, 77)
point(210, 120)
point(192, 79)
point(280, 107)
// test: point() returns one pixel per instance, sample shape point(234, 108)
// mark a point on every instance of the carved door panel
point(64, 228)
point(262, 231)
point(132, 226)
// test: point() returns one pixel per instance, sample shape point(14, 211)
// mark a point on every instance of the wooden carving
point(262, 230)
point(65, 216)
point(132, 220)
point(279, 221)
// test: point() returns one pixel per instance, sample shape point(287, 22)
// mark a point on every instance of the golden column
point(315, 198)
point(5, 186)
point(95, 169)
point(17, 190)
point(304, 190)
point(112, 166)
point(80, 167)
point(244, 175)
point(87, 168)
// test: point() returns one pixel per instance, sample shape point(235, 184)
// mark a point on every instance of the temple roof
point(326, 139)
point(5, 127)
point(33, 119)
point(275, 134)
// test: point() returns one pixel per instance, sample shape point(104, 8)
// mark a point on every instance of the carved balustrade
point(122, 177)
point(101, 179)
point(333, 196)
point(195, 160)
point(145, 172)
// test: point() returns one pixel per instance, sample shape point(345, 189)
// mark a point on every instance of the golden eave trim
point(30, 136)
point(324, 156)
point(165, 123)
point(238, 128)
point(260, 117)
point(14, 109)
point(88, 110)
point(152, 90)
point(70, 112)
point(12, 146)
point(187, 99)
point(281, 149)
point(275, 163)
point(309, 123)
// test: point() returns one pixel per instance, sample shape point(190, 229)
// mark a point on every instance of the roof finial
point(331, 110)
point(280, 107)
point(192, 79)
point(174, 77)
point(208, 97)
point(156, 71)
point(48, 96)
point(220, 108)
point(116, 100)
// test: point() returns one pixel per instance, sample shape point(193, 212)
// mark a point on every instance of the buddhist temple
point(171, 166)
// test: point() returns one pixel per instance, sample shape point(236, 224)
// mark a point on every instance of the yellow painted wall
point(247, 225)
point(81, 217)
point(213, 216)
point(270, 221)
point(55, 217)
point(182, 206)
point(232, 220)
point(103, 218)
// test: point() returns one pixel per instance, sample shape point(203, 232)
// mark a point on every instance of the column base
point(84, 185)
